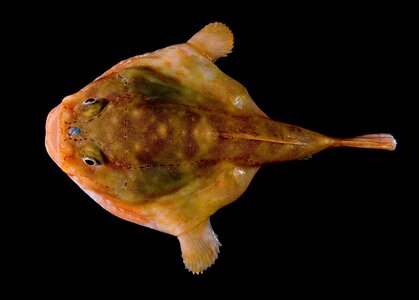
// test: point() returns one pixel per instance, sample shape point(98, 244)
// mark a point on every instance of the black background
point(334, 224)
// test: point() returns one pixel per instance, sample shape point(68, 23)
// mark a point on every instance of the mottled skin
point(154, 139)
point(175, 140)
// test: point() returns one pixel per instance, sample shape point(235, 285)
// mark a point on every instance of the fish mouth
point(52, 135)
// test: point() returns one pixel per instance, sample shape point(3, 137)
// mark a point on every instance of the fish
point(165, 139)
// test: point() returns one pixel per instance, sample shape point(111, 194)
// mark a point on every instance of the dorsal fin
point(214, 41)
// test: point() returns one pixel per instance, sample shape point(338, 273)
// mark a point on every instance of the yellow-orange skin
point(176, 140)
point(174, 157)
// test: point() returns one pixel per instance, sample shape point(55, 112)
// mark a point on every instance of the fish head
point(76, 142)
point(67, 141)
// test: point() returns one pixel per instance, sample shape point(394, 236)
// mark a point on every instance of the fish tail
point(372, 141)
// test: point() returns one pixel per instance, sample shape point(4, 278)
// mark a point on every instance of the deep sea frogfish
point(165, 139)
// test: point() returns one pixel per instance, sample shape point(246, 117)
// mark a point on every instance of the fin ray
point(186, 66)
point(200, 247)
point(382, 141)
point(214, 41)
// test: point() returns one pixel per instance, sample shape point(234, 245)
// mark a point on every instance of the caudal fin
point(372, 141)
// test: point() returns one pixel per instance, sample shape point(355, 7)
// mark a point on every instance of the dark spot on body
point(121, 99)
point(145, 158)
point(123, 79)
point(120, 165)
point(191, 149)
point(174, 173)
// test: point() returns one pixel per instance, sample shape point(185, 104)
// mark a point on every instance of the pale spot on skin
point(186, 72)
point(152, 119)
point(196, 134)
point(115, 120)
point(189, 51)
point(176, 57)
point(162, 130)
point(137, 146)
point(136, 114)
point(205, 135)
point(208, 75)
point(179, 155)
point(65, 115)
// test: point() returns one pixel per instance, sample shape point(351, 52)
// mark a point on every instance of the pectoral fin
point(200, 247)
point(214, 41)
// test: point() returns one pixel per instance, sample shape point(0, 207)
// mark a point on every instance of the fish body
point(165, 139)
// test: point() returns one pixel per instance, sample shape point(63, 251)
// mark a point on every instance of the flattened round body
point(164, 144)
point(155, 138)
point(166, 139)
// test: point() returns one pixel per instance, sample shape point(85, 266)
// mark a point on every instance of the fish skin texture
point(165, 139)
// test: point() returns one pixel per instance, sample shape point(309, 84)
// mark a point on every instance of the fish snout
point(52, 134)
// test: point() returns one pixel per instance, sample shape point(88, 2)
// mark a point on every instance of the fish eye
point(89, 102)
point(90, 108)
point(91, 161)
